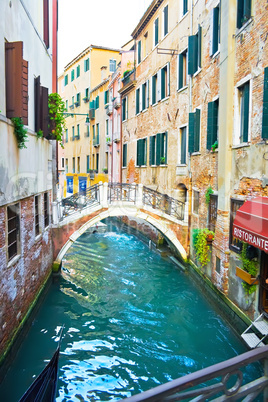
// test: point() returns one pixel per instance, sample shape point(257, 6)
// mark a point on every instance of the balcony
point(96, 141)
point(128, 82)
point(117, 102)
point(109, 109)
point(116, 136)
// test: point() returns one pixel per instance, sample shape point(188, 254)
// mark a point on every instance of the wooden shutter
point(158, 149)
point(265, 105)
point(168, 79)
point(245, 116)
point(151, 150)
point(137, 101)
point(138, 159)
point(247, 9)
point(165, 20)
point(165, 136)
point(192, 54)
point(46, 22)
point(44, 112)
point(153, 90)
point(199, 47)
point(37, 104)
point(147, 93)
point(180, 71)
point(240, 8)
point(16, 82)
point(156, 32)
point(197, 130)
point(143, 104)
point(163, 83)
point(124, 155)
point(183, 146)
point(210, 125)
point(215, 30)
point(191, 132)
point(158, 97)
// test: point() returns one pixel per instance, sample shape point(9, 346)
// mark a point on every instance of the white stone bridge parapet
point(72, 216)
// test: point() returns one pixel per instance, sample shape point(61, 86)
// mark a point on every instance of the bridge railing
point(106, 194)
point(220, 382)
point(163, 202)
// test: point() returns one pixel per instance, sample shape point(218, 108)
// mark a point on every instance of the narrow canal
point(132, 320)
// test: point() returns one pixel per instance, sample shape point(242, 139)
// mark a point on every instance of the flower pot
point(245, 276)
point(210, 238)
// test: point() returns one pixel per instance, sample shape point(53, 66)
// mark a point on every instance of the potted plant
point(56, 108)
point(248, 272)
point(105, 170)
point(214, 146)
point(201, 245)
point(162, 160)
point(209, 191)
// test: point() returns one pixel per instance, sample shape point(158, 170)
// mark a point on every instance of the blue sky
point(98, 22)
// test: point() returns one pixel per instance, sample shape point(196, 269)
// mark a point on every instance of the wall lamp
point(87, 123)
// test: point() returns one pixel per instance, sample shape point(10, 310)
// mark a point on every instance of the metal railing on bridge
point(116, 193)
point(221, 382)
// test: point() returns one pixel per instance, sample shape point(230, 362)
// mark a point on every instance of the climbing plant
point(20, 132)
point(250, 266)
point(208, 193)
point(200, 241)
point(56, 108)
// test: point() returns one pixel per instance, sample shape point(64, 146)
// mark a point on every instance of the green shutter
point(215, 34)
point(185, 6)
point(156, 39)
point(191, 132)
point(151, 150)
point(143, 96)
point(137, 101)
point(192, 54)
point(142, 151)
point(247, 9)
point(240, 10)
point(165, 135)
point(265, 106)
point(139, 52)
point(165, 20)
point(183, 146)
point(245, 116)
point(199, 47)
point(97, 102)
point(210, 126)
point(180, 71)
point(139, 146)
point(158, 149)
point(153, 90)
point(124, 155)
point(197, 130)
point(92, 104)
point(163, 83)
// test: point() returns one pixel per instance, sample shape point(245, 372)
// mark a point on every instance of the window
point(73, 135)
point(87, 132)
point(16, 81)
point(93, 131)
point(182, 146)
point(97, 102)
point(41, 107)
point(46, 205)
point(139, 52)
point(73, 165)
point(243, 105)
point(165, 21)
point(78, 71)
point(155, 89)
point(124, 161)
point(234, 244)
point(194, 52)
point(66, 80)
point(195, 201)
point(182, 69)
point(158, 149)
point(265, 105)
point(124, 109)
point(78, 164)
point(145, 95)
point(218, 265)
point(214, 30)
point(107, 127)
point(106, 97)
point(78, 132)
point(13, 230)
point(165, 81)
point(78, 99)
point(184, 6)
point(212, 212)
point(72, 75)
point(88, 163)
point(66, 105)
point(112, 65)
point(87, 93)
point(212, 123)
point(66, 135)
point(138, 106)
point(66, 165)
point(86, 65)
point(62, 163)
point(46, 22)
point(97, 162)
point(36, 215)
point(72, 101)
point(141, 152)
point(194, 131)
point(156, 31)
point(243, 12)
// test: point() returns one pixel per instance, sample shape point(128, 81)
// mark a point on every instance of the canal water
point(133, 320)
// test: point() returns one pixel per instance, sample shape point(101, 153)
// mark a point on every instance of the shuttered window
point(36, 215)
point(106, 97)
point(234, 243)
point(97, 102)
point(154, 89)
point(41, 108)
point(194, 131)
point(184, 6)
point(158, 149)
point(66, 80)
point(182, 69)
point(72, 75)
point(13, 230)
point(78, 99)
point(46, 22)
point(78, 71)
point(212, 212)
point(243, 12)
point(124, 161)
point(16, 81)
point(139, 52)
point(165, 20)
point(194, 51)
point(124, 109)
point(66, 135)
point(212, 123)
point(88, 163)
point(265, 105)
point(138, 101)
point(156, 31)
point(183, 144)
point(244, 111)
point(86, 65)
point(46, 203)
point(141, 159)
point(214, 30)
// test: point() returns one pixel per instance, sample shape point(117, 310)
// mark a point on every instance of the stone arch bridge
point(72, 216)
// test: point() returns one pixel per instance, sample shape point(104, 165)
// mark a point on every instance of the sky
point(106, 23)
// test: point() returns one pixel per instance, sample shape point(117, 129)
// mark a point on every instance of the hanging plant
point(39, 134)
point(251, 266)
point(201, 245)
point(20, 132)
point(56, 108)
point(209, 191)
point(214, 146)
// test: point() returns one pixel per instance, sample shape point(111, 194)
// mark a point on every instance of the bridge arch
point(161, 225)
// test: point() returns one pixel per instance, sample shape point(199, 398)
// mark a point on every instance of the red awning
point(251, 223)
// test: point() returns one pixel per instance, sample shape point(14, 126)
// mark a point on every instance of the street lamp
point(87, 123)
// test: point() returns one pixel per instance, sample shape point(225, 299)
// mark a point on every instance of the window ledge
point(184, 16)
point(163, 165)
point(182, 89)
point(38, 237)
point(164, 99)
point(214, 55)
point(196, 153)
point(197, 72)
point(242, 145)
point(13, 260)
point(248, 22)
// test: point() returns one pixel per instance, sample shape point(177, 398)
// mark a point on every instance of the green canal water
point(132, 320)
